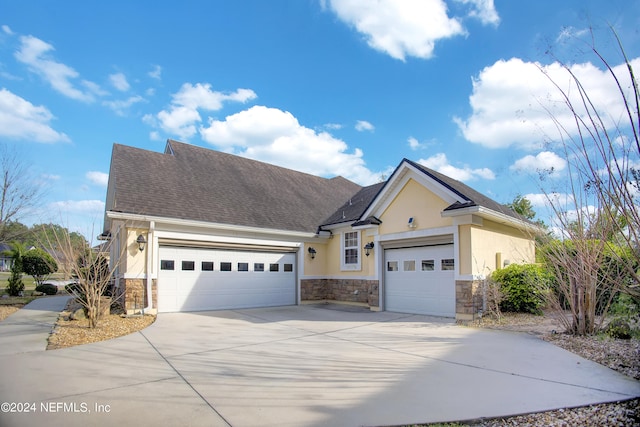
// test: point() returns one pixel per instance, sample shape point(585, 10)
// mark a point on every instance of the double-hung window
point(351, 251)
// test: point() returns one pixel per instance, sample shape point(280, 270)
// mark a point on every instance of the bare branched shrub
point(600, 211)
point(89, 267)
point(494, 297)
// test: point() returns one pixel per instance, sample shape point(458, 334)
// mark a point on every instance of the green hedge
point(521, 286)
point(47, 288)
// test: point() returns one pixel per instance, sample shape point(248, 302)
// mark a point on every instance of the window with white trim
point(351, 250)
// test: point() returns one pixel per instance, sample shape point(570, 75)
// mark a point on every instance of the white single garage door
point(420, 280)
point(192, 279)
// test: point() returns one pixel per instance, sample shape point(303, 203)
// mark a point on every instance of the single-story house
point(193, 229)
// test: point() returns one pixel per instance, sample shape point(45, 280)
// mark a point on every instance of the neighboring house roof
point(195, 183)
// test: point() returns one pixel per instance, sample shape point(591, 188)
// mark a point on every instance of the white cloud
point(79, 206)
point(182, 116)
point(20, 119)
point(333, 126)
point(7, 30)
point(119, 81)
point(363, 125)
point(569, 33)
point(399, 28)
point(514, 103)
point(546, 199)
point(440, 163)
point(546, 162)
point(121, 106)
point(98, 178)
point(156, 72)
point(34, 53)
point(414, 144)
point(484, 10)
point(276, 136)
point(154, 136)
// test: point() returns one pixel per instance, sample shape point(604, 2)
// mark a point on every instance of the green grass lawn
point(29, 286)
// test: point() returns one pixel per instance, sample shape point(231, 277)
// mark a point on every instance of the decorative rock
point(77, 314)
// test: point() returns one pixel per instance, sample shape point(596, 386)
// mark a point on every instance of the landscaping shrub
point(625, 311)
point(619, 328)
point(15, 284)
point(521, 286)
point(73, 288)
point(613, 270)
point(47, 288)
point(626, 307)
point(39, 264)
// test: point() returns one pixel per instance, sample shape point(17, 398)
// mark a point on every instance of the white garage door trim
point(420, 280)
point(198, 279)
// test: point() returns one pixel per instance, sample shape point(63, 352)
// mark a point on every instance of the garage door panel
point(416, 280)
point(248, 283)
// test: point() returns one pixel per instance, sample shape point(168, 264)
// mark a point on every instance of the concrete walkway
point(300, 366)
point(28, 329)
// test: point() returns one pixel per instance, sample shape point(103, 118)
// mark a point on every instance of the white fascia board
point(297, 235)
point(366, 227)
point(492, 215)
point(337, 225)
point(397, 182)
point(418, 234)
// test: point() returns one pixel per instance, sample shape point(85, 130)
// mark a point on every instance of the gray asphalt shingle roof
point(195, 183)
point(355, 207)
point(199, 184)
point(470, 196)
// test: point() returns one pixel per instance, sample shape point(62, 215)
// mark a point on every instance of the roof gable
point(373, 200)
point(195, 183)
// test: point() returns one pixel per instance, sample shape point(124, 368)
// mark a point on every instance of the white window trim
point(355, 266)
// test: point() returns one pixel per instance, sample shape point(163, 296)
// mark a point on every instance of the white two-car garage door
point(420, 280)
point(193, 279)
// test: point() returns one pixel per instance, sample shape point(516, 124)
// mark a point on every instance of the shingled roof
point(358, 204)
point(355, 206)
point(470, 197)
point(199, 184)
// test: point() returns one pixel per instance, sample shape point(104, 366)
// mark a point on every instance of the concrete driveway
point(299, 366)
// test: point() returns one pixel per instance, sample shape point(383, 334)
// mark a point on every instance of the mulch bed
point(69, 333)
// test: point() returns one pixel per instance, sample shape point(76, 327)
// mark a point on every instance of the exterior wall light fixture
point(141, 241)
point(312, 252)
point(367, 248)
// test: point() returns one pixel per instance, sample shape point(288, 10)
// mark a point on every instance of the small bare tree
point(89, 266)
point(600, 211)
point(18, 190)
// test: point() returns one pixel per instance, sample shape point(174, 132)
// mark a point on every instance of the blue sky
point(331, 87)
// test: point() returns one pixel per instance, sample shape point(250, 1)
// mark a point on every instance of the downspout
point(149, 264)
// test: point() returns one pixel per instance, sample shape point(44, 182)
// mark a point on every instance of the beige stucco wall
point(133, 261)
point(414, 200)
point(318, 265)
point(480, 245)
point(332, 255)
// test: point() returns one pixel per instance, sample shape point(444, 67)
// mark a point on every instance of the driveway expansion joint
point(191, 386)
